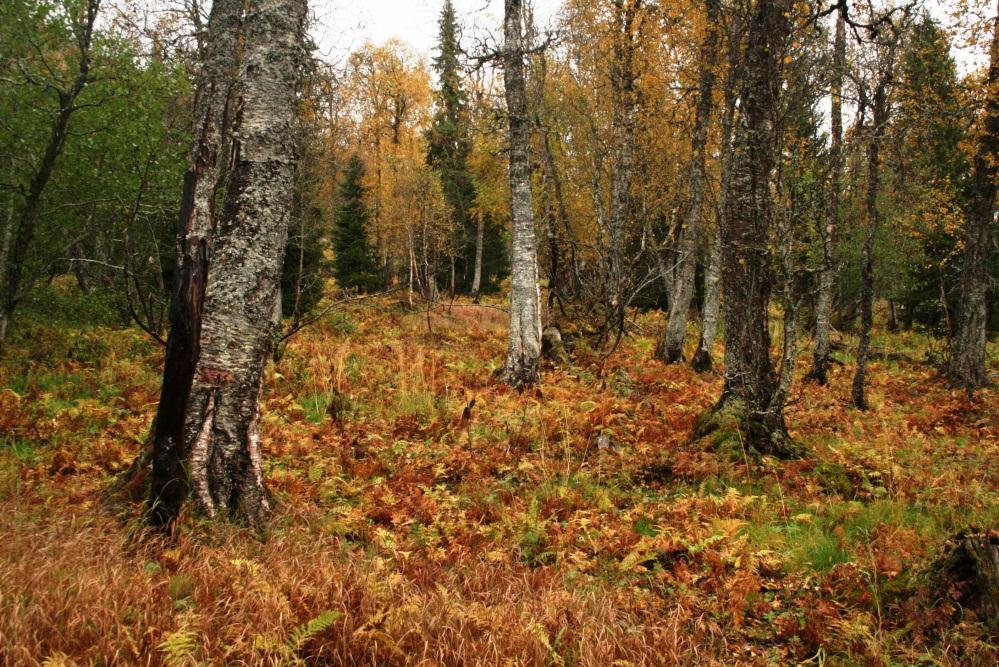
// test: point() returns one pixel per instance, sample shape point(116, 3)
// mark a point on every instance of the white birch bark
point(524, 348)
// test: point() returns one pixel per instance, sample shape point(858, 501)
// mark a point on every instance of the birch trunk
point(524, 349)
point(169, 480)
point(670, 348)
point(480, 237)
point(751, 390)
point(238, 325)
point(712, 278)
point(823, 307)
point(967, 359)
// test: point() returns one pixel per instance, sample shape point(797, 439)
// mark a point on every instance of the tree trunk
point(751, 393)
point(878, 125)
point(709, 323)
point(480, 237)
point(26, 226)
point(525, 298)
point(823, 307)
point(623, 136)
point(670, 348)
point(169, 480)
point(967, 359)
point(239, 323)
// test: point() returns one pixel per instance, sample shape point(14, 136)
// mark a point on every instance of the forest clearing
point(565, 332)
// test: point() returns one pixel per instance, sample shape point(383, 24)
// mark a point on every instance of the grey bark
point(480, 236)
point(670, 348)
point(524, 348)
point(709, 324)
point(967, 359)
point(196, 227)
point(827, 277)
point(238, 327)
point(27, 222)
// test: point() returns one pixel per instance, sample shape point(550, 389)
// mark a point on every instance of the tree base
point(669, 354)
point(968, 572)
point(702, 362)
point(736, 434)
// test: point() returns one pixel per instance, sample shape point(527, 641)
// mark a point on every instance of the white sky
point(343, 25)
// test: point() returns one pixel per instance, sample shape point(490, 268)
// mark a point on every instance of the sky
point(343, 25)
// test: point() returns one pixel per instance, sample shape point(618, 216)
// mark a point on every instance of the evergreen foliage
point(354, 263)
point(449, 146)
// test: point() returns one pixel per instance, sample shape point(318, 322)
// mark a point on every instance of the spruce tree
point(354, 262)
point(449, 145)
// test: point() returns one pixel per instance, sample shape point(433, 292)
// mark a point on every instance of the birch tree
point(240, 312)
point(819, 372)
point(168, 484)
point(524, 348)
point(751, 396)
point(670, 348)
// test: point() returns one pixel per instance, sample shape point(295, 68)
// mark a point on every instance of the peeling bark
point(168, 482)
point(238, 327)
point(524, 348)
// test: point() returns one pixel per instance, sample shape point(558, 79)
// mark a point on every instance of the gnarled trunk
point(525, 299)
point(168, 483)
point(751, 392)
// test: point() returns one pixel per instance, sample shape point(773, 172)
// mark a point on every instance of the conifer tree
point(354, 264)
point(449, 146)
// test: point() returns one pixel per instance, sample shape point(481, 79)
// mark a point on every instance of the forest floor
point(411, 531)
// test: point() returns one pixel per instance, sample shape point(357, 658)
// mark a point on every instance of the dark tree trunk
point(169, 480)
point(967, 359)
point(524, 349)
point(25, 228)
point(827, 277)
point(670, 348)
point(751, 393)
point(625, 109)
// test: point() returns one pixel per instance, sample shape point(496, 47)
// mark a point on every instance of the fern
point(178, 648)
point(287, 652)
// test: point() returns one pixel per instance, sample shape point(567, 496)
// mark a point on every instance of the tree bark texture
point(238, 321)
point(168, 483)
point(524, 348)
point(751, 384)
point(26, 225)
point(625, 108)
point(819, 372)
point(967, 359)
point(670, 348)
